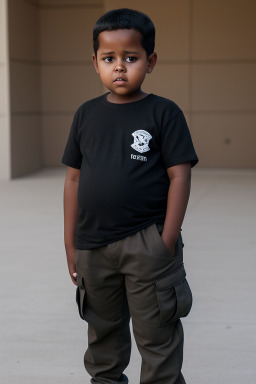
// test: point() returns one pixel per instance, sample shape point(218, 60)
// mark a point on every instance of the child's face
point(122, 64)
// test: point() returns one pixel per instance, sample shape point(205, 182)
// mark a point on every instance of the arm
point(70, 217)
point(178, 195)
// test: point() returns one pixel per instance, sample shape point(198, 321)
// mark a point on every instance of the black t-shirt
point(123, 151)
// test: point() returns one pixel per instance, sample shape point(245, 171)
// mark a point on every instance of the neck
point(122, 99)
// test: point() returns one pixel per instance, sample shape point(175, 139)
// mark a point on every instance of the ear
point(151, 62)
point(95, 63)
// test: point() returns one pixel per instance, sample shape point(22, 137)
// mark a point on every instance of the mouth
point(119, 79)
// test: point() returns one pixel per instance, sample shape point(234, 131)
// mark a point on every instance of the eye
point(131, 59)
point(108, 59)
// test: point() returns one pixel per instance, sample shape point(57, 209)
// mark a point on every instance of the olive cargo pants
point(138, 277)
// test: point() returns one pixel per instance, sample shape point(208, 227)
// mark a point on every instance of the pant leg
point(158, 295)
point(103, 304)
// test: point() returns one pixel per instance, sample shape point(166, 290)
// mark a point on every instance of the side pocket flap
point(78, 299)
point(172, 280)
point(81, 296)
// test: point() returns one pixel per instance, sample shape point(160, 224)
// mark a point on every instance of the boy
point(129, 156)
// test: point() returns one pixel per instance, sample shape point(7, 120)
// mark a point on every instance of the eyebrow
point(111, 53)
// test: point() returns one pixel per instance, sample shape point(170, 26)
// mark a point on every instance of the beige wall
point(67, 75)
point(5, 167)
point(224, 82)
point(51, 74)
point(26, 149)
point(206, 64)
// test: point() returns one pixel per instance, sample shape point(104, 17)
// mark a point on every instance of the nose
point(120, 68)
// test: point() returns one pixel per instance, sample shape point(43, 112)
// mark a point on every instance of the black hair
point(124, 18)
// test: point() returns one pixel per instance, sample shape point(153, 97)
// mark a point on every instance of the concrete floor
point(42, 336)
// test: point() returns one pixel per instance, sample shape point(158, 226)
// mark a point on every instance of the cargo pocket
point(174, 296)
point(81, 297)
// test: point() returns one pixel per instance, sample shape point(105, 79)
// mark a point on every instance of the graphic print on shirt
point(141, 140)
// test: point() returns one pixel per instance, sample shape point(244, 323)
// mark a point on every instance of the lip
point(122, 81)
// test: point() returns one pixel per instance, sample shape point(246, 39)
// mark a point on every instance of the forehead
point(120, 39)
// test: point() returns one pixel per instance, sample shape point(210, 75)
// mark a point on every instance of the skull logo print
point(141, 140)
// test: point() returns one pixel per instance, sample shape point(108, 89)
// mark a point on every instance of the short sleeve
point(72, 155)
point(176, 142)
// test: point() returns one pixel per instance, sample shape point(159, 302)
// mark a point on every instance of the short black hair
point(124, 18)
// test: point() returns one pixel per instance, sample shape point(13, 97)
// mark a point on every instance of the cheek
point(105, 77)
point(140, 70)
point(139, 74)
point(105, 71)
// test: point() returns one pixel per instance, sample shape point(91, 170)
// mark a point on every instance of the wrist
point(169, 239)
point(70, 246)
point(71, 255)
